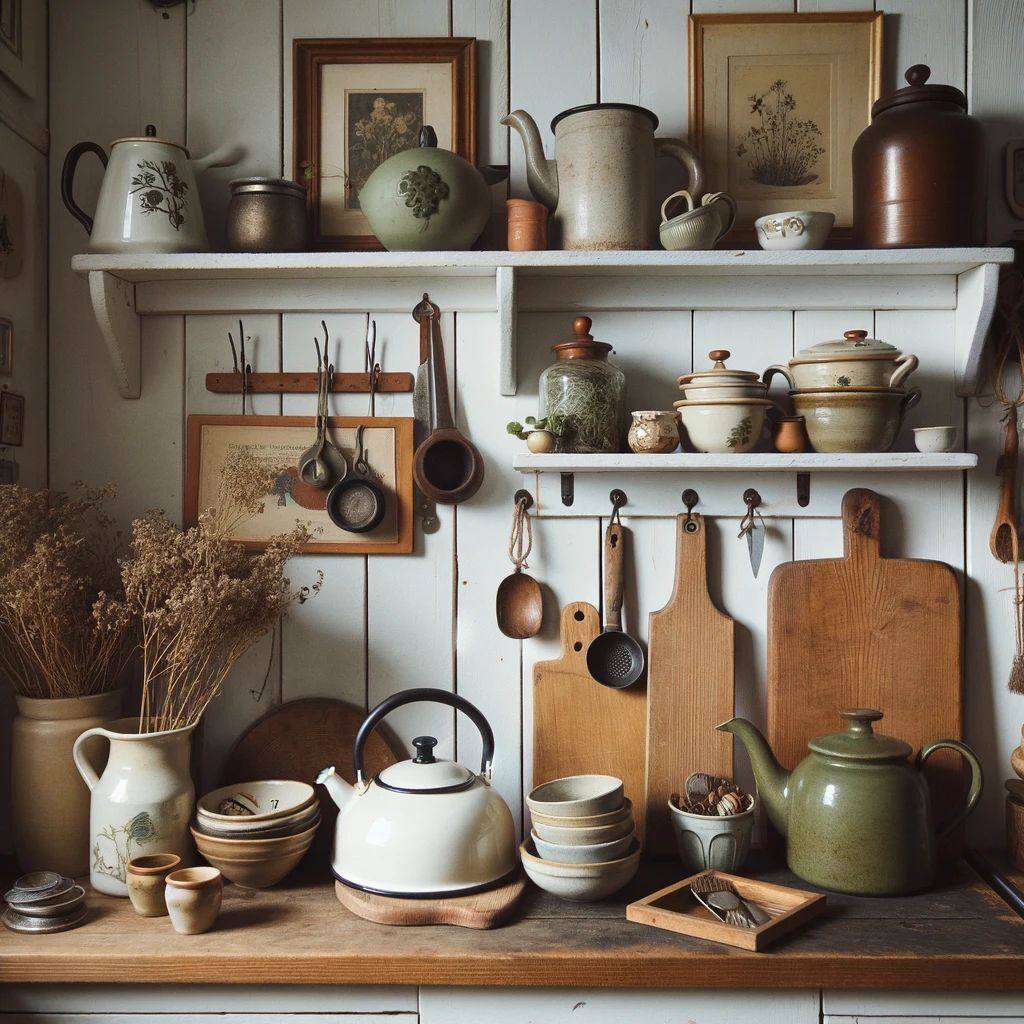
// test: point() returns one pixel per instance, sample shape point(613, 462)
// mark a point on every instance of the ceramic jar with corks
point(919, 170)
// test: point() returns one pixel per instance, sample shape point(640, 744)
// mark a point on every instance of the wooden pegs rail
point(306, 383)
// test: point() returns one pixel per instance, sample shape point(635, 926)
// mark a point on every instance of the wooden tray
point(479, 910)
point(676, 909)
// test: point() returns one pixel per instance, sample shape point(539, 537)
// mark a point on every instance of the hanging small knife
point(752, 527)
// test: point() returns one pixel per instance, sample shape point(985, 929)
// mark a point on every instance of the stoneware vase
point(141, 803)
point(50, 803)
point(146, 878)
point(193, 898)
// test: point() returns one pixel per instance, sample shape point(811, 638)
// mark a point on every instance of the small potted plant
point(541, 436)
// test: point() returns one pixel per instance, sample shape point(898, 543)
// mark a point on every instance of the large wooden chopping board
point(689, 685)
point(870, 632)
point(581, 727)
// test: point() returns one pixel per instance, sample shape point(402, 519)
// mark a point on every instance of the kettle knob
point(424, 750)
point(150, 131)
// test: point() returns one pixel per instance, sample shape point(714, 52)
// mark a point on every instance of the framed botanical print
point(776, 103)
point(358, 102)
point(12, 419)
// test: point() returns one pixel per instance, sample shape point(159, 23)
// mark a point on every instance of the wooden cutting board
point(478, 910)
point(689, 685)
point(870, 632)
point(581, 727)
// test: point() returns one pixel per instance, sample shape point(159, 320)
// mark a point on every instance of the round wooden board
point(487, 909)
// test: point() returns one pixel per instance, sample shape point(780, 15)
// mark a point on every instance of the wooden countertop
point(959, 936)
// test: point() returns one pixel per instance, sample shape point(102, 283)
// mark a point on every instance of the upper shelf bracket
point(976, 291)
point(113, 304)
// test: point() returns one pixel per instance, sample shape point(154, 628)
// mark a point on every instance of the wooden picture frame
point(389, 450)
point(336, 81)
point(6, 347)
point(12, 419)
point(777, 134)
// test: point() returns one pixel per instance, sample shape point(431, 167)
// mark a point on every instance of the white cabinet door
point(850, 1007)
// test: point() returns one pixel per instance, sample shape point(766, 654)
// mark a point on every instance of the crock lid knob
point(424, 750)
point(719, 355)
point(918, 74)
point(855, 336)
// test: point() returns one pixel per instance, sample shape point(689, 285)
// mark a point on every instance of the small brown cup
point(790, 435)
point(527, 225)
point(193, 899)
point(144, 877)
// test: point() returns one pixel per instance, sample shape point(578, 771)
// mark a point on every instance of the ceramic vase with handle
point(50, 805)
point(141, 803)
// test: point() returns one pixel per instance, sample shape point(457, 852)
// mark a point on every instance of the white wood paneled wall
point(223, 74)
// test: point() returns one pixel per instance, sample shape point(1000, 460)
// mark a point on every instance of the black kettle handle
point(67, 178)
point(434, 696)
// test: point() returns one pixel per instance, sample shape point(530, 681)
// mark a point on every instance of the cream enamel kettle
point(148, 201)
point(424, 827)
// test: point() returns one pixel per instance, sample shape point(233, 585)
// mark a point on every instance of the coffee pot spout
point(541, 173)
point(341, 792)
point(771, 778)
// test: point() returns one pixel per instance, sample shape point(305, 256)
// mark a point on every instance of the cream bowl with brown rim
point(854, 419)
point(724, 425)
point(583, 883)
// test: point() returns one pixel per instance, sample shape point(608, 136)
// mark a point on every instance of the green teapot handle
point(977, 779)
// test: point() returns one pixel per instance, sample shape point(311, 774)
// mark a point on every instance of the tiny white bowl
point(935, 439)
point(591, 853)
point(794, 229)
point(573, 836)
point(586, 820)
point(268, 798)
point(581, 883)
point(577, 795)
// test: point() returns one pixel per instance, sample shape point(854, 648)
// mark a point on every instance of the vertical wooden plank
point(234, 102)
point(560, 39)
point(932, 32)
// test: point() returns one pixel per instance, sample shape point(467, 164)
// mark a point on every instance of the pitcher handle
point(905, 366)
point(977, 780)
point(782, 371)
point(67, 178)
point(681, 194)
point(680, 151)
point(85, 769)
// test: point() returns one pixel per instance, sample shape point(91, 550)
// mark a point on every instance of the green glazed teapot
point(855, 812)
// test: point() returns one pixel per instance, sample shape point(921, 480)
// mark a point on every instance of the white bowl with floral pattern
point(795, 229)
point(724, 425)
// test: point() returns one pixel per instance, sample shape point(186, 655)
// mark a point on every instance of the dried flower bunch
point(200, 601)
point(711, 795)
point(57, 553)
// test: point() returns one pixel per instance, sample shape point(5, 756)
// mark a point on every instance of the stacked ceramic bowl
point(256, 832)
point(723, 410)
point(850, 392)
point(582, 845)
point(44, 901)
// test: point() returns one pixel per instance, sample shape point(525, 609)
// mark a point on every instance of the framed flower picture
point(357, 102)
point(776, 103)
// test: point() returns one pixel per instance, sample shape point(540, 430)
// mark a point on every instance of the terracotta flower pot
point(50, 801)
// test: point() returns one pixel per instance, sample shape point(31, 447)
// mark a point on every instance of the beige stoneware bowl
point(581, 883)
point(854, 419)
point(261, 828)
point(585, 836)
point(586, 820)
point(724, 425)
point(269, 798)
point(589, 853)
point(577, 796)
point(255, 863)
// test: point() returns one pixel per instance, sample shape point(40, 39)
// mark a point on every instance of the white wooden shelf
point(125, 287)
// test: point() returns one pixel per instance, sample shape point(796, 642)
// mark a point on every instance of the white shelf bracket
point(975, 303)
point(505, 285)
point(113, 305)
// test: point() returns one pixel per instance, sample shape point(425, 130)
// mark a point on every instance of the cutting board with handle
point(864, 631)
point(689, 685)
point(581, 727)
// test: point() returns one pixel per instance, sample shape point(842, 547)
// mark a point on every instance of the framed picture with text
point(776, 103)
point(358, 102)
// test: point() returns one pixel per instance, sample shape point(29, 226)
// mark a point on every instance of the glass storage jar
point(585, 394)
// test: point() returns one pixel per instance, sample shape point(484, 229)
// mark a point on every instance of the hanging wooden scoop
point(1001, 540)
point(446, 466)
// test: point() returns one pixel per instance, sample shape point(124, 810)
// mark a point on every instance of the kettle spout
point(341, 792)
point(541, 173)
point(772, 779)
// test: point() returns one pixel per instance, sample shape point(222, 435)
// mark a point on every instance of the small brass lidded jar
point(267, 215)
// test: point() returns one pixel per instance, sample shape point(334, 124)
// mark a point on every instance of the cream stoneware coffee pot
point(856, 813)
point(601, 183)
point(148, 201)
point(423, 827)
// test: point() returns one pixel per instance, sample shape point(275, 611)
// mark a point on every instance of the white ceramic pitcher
point(142, 803)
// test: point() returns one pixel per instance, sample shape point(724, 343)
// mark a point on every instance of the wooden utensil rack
point(306, 383)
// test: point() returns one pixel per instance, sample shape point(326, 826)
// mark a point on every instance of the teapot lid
point(151, 136)
point(917, 91)
point(852, 345)
point(425, 773)
point(719, 374)
point(860, 742)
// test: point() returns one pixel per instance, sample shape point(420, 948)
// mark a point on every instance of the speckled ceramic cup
point(145, 878)
point(193, 899)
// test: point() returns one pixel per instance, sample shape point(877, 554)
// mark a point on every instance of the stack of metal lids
point(42, 902)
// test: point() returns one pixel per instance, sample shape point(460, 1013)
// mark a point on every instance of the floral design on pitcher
point(160, 190)
point(139, 830)
point(740, 434)
point(423, 189)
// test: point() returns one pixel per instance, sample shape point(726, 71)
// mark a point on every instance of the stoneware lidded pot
point(425, 827)
point(856, 813)
point(853, 361)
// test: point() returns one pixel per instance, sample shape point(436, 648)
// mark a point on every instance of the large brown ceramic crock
point(919, 170)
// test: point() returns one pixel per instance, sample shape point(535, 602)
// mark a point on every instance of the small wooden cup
point(527, 225)
point(144, 878)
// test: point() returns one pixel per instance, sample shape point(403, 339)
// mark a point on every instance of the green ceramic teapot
point(855, 812)
point(427, 198)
